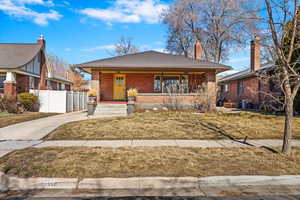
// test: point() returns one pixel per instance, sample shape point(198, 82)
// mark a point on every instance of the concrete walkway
point(39, 128)
point(10, 145)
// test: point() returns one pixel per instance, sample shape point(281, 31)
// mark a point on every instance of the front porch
point(185, 90)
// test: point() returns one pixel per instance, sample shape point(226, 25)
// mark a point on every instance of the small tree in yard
point(284, 25)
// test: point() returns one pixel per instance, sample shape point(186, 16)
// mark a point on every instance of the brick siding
point(106, 87)
point(144, 83)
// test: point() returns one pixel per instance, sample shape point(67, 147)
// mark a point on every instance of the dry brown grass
point(92, 162)
point(252, 125)
point(176, 125)
point(7, 119)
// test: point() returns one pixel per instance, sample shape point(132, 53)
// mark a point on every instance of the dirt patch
point(95, 162)
point(177, 125)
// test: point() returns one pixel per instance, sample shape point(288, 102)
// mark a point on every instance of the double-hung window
point(240, 87)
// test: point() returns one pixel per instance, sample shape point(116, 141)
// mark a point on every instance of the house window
point(171, 84)
point(31, 82)
point(240, 87)
point(224, 88)
point(2, 79)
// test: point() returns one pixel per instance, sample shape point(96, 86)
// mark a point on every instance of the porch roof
point(152, 60)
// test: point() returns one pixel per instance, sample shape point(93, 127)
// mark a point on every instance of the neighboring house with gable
point(23, 66)
point(245, 88)
point(154, 74)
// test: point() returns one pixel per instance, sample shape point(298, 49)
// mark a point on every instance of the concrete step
point(112, 113)
point(112, 105)
point(111, 109)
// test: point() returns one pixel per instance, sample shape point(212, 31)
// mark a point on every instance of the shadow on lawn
point(220, 131)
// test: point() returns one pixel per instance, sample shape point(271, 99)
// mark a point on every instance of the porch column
point(10, 88)
point(211, 89)
point(95, 83)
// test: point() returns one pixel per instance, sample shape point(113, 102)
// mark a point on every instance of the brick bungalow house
point(23, 67)
point(244, 88)
point(152, 74)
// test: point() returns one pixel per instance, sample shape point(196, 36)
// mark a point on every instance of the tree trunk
point(287, 138)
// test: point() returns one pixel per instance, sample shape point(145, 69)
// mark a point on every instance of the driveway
point(39, 128)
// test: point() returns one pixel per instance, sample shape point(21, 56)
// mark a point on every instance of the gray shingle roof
point(153, 59)
point(15, 55)
point(244, 74)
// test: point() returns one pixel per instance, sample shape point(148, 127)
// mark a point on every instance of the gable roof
point(152, 60)
point(244, 74)
point(16, 55)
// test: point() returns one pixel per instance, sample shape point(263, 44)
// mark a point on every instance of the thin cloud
point(235, 60)
point(20, 10)
point(97, 48)
point(128, 11)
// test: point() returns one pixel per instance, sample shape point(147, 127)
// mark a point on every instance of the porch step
point(111, 109)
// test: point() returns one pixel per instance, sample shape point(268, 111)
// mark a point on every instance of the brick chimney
point(255, 54)
point(41, 41)
point(43, 68)
point(198, 50)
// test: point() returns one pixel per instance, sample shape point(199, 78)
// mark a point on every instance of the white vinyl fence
point(55, 101)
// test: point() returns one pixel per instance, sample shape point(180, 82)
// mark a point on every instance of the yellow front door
point(119, 86)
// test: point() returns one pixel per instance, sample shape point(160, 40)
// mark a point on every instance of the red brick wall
point(251, 90)
point(22, 83)
point(144, 83)
point(106, 87)
point(165, 99)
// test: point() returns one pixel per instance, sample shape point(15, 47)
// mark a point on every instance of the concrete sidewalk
point(11, 145)
point(153, 143)
point(39, 128)
point(205, 186)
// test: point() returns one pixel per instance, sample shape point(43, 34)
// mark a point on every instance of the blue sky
point(83, 30)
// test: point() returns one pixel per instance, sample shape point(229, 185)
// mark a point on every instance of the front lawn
point(97, 162)
point(176, 125)
point(7, 119)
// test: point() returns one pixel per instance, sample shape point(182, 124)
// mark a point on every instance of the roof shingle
point(16, 55)
point(152, 59)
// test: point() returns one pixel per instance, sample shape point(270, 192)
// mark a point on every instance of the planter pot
point(92, 99)
point(130, 107)
point(131, 98)
point(91, 106)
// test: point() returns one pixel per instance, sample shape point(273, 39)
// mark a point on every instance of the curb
point(15, 183)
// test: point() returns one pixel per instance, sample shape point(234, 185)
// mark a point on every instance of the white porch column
point(10, 77)
point(10, 89)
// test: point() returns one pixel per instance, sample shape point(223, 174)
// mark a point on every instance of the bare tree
point(219, 24)
point(284, 25)
point(125, 46)
point(77, 78)
point(57, 67)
